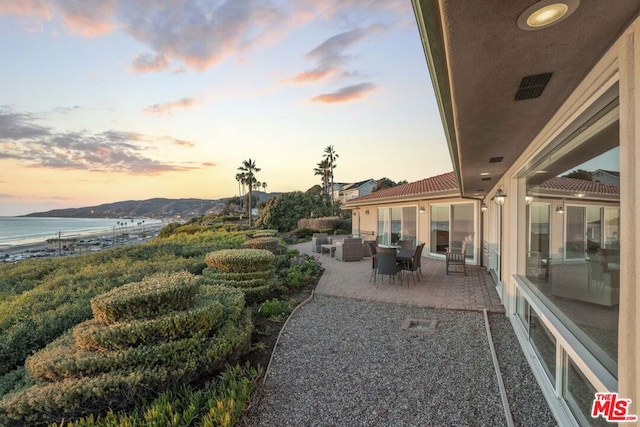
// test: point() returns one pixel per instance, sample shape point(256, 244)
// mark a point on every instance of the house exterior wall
point(620, 65)
point(368, 222)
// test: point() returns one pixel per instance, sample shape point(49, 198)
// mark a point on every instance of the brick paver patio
point(436, 289)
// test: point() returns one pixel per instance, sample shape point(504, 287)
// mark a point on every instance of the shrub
point(240, 260)
point(221, 403)
point(265, 233)
point(274, 308)
point(211, 276)
point(268, 243)
point(71, 382)
point(154, 295)
point(199, 320)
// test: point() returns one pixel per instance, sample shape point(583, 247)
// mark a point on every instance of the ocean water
point(26, 230)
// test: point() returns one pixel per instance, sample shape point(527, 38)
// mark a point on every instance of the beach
point(17, 252)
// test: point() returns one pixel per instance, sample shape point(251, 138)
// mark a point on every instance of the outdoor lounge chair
point(318, 240)
point(351, 249)
point(456, 257)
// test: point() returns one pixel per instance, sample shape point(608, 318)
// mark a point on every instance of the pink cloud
point(26, 8)
point(145, 62)
point(168, 107)
point(313, 75)
point(347, 93)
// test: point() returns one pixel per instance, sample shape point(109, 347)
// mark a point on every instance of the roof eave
point(354, 203)
point(431, 35)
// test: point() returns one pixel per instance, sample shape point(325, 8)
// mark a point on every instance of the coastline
point(34, 247)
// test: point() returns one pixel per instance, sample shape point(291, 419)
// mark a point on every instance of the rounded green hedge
point(240, 260)
point(199, 321)
point(172, 347)
point(268, 243)
point(157, 294)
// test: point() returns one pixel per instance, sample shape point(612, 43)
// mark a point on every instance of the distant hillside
point(152, 208)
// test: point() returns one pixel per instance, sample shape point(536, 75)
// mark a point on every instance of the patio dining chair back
point(373, 249)
point(413, 265)
point(405, 244)
point(387, 264)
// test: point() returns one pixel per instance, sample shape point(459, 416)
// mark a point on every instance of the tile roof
point(436, 184)
point(573, 185)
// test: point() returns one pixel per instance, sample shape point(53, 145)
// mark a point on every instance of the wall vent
point(496, 159)
point(532, 86)
point(486, 179)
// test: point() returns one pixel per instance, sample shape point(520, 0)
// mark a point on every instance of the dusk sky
point(103, 101)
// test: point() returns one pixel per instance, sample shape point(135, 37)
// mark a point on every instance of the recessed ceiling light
point(541, 171)
point(484, 173)
point(546, 13)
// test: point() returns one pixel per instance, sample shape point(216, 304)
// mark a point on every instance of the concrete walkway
point(436, 289)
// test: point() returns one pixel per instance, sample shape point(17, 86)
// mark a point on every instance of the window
point(569, 265)
point(397, 223)
point(451, 225)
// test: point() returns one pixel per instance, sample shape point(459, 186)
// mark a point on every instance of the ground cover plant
point(41, 299)
point(143, 338)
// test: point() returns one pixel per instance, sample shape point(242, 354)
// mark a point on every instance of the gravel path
point(347, 362)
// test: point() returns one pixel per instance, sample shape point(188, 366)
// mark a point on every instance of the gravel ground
point(347, 362)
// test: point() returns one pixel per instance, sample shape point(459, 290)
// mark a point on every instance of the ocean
point(27, 230)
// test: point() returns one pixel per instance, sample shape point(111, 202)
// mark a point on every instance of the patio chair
point(351, 249)
point(457, 257)
point(405, 244)
point(373, 249)
point(318, 240)
point(387, 264)
point(413, 265)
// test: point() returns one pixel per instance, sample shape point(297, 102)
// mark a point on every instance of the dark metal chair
point(413, 265)
point(387, 264)
point(405, 244)
point(373, 249)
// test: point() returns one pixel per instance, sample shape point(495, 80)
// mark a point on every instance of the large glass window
point(572, 252)
point(397, 223)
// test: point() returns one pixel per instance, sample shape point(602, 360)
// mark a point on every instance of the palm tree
point(323, 171)
point(330, 155)
point(240, 179)
point(249, 169)
point(264, 187)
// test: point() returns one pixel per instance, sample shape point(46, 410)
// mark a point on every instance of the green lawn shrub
point(158, 294)
point(265, 233)
point(71, 382)
point(274, 308)
point(269, 243)
point(240, 260)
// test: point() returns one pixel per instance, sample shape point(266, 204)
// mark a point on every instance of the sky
point(111, 100)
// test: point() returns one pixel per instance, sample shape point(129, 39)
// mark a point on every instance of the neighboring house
point(559, 96)
point(337, 189)
point(606, 177)
point(356, 189)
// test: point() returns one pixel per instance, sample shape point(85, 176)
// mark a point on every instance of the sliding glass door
point(397, 223)
point(451, 225)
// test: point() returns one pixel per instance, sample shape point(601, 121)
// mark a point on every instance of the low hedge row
point(157, 294)
point(72, 398)
point(267, 232)
point(240, 260)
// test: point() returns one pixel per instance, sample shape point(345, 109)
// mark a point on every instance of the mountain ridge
point(157, 208)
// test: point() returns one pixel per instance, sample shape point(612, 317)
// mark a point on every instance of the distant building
point(606, 177)
point(356, 189)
